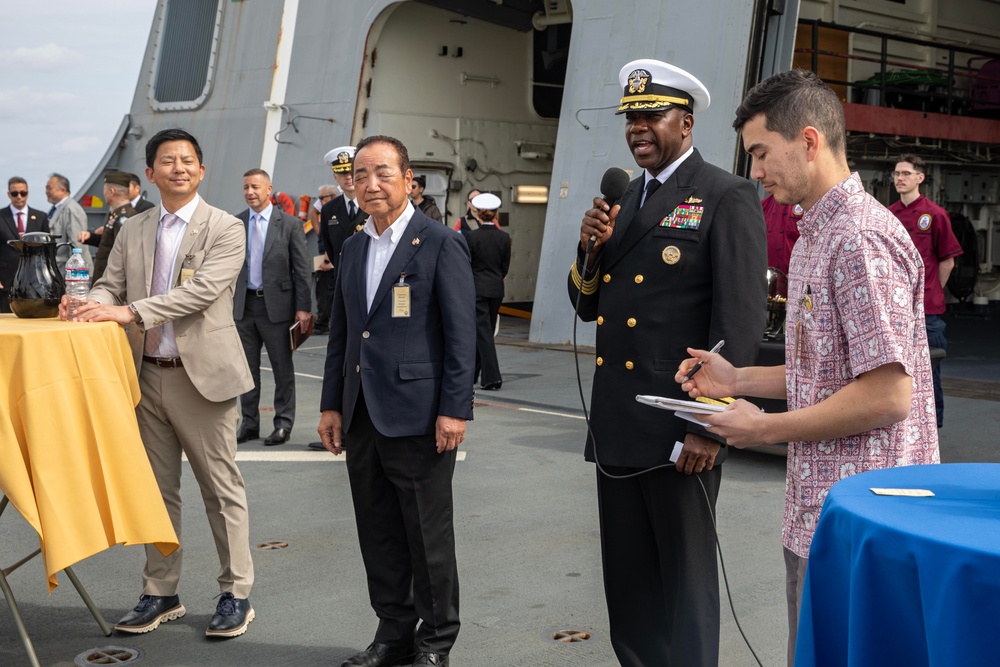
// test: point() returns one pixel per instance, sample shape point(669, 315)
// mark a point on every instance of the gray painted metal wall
point(707, 39)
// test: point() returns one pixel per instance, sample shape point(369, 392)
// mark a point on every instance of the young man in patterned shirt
point(857, 374)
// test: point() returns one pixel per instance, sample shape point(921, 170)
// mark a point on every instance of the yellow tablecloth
point(71, 459)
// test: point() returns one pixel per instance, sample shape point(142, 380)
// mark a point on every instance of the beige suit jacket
point(201, 309)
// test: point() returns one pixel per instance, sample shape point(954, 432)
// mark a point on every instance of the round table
point(71, 459)
point(900, 580)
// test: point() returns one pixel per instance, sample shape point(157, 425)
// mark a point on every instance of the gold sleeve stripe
point(588, 287)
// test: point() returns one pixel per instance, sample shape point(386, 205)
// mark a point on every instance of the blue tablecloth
point(903, 580)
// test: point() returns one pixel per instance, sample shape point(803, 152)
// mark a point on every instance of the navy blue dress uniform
point(684, 268)
point(489, 247)
point(339, 219)
point(105, 241)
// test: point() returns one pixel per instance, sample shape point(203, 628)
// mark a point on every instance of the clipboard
point(297, 336)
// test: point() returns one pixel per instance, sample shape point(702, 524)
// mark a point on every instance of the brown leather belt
point(174, 362)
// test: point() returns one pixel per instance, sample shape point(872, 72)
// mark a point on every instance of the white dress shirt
point(168, 345)
point(666, 173)
point(380, 249)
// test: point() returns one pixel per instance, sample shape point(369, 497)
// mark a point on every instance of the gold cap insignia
point(671, 254)
point(637, 81)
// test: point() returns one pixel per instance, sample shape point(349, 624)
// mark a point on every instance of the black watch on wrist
point(135, 314)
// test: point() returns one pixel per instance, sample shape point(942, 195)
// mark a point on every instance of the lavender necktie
point(256, 279)
point(161, 276)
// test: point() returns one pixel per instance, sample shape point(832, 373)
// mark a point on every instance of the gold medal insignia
point(671, 254)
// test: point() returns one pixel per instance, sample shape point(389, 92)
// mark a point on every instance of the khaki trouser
point(173, 417)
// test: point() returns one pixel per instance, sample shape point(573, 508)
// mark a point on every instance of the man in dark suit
point(397, 391)
point(340, 218)
point(272, 293)
point(680, 263)
point(15, 221)
point(135, 195)
point(489, 247)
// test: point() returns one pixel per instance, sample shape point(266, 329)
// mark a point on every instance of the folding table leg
point(18, 621)
point(105, 628)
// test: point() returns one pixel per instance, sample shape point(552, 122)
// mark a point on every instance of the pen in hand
point(697, 366)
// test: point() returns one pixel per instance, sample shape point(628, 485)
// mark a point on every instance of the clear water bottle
point(77, 282)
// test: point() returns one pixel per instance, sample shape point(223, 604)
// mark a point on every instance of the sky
point(71, 68)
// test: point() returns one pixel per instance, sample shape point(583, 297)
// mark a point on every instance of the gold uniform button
point(600, 361)
point(638, 279)
point(629, 365)
point(365, 334)
point(600, 319)
point(607, 277)
point(631, 321)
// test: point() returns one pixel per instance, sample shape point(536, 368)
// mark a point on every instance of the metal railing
point(927, 88)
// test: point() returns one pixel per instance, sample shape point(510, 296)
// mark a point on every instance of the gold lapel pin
point(415, 241)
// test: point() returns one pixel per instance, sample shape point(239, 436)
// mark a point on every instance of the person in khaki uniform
point(192, 368)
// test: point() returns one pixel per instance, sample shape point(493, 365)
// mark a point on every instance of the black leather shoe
point(380, 655)
point(279, 436)
point(232, 616)
point(430, 660)
point(150, 612)
point(245, 434)
point(492, 386)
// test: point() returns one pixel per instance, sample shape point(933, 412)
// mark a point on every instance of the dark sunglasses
point(15, 193)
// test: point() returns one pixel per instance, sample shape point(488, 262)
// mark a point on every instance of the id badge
point(401, 298)
point(187, 271)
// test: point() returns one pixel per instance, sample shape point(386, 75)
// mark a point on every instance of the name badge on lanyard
point(401, 298)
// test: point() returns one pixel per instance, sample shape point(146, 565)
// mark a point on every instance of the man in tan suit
point(170, 281)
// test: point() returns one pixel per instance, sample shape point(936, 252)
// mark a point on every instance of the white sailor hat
point(653, 85)
point(486, 202)
point(341, 160)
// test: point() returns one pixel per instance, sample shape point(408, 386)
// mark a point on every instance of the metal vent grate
point(108, 655)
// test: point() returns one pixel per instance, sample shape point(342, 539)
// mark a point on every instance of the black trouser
point(324, 298)
point(660, 575)
point(486, 351)
point(257, 330)
point(403, 507)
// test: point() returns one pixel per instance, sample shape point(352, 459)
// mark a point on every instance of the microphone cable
point(597, 460)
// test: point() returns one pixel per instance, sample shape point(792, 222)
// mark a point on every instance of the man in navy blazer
point(272, 293)
point(397, 391)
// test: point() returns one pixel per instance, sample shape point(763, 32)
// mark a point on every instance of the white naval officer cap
point(653, 85)
point(341, 160)
point(486, 201)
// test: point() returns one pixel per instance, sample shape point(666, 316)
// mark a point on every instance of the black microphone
point(613, 187)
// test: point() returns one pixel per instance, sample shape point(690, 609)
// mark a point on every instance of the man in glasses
point(427, 205)
point(16, 220)
point(930, 228)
